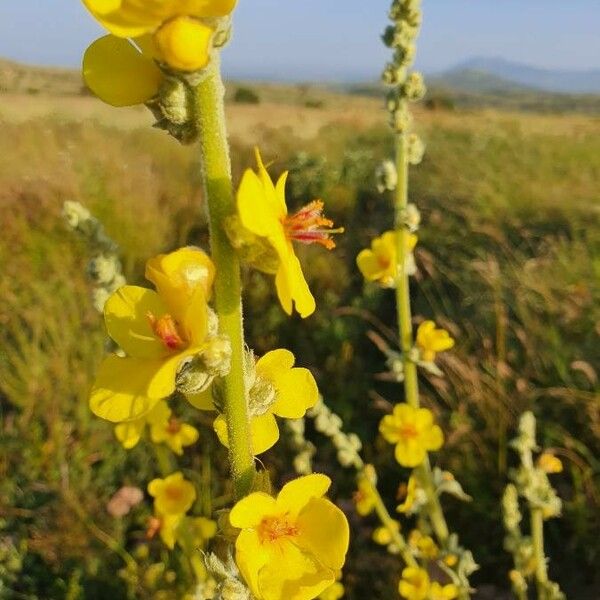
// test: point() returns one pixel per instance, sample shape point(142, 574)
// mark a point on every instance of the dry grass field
point(510, 246)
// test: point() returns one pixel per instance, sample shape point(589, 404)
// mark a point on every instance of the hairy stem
point(411, 379)
point(218, 187)
point(537, 538)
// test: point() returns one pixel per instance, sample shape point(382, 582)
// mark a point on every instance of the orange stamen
point(309, 226)
point(272, 529)
point(165, 328)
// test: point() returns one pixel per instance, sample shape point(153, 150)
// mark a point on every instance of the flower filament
point(309, 226)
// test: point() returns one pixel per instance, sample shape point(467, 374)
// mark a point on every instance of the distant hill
point(497, 74)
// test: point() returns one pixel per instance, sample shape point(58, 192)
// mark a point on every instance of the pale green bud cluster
point(198, 373)
point(406, 87)
point(410, 217)
point(347, 445)
point(303, 449)
point(416, 149)
point(229, 584)
point(104, 268)
point(463, 563)
point(386, 176)
point(530, 482)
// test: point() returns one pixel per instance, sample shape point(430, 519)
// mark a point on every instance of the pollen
point(309, 226)
point(165, 328)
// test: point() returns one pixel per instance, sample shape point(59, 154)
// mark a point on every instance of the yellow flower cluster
point(413, 432)
point(291, 546)
point(431, 340)
point(158, 331)
point(173, 498)
point(416, 585)
point(164, 429)
point(124, 67)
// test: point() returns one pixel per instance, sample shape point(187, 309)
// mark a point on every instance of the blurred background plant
point(512, 257)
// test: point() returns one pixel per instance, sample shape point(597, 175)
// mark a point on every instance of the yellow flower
point(413, 432)
point(291, 546)
point(181, 272)
point(414, 584)
point(173, 495)
point(279, 389)
point(379, 263)
point(550, 463)
point(121, 68)
point(365, 498)
point(158, 333)
point(424, 544)
point(191, 533)
point(411, 496)
point(175, 434)
point(130, 432)
point(383, 536)
point(430, 340)
point(262, 210)
point(440, 592)
point(333, 592)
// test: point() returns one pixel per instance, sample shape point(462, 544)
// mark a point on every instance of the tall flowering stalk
point(389, 262)
point(171, 342)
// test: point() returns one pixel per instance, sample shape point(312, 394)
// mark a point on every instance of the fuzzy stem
point(537, 538)
point(218, 187)
point(411, 380)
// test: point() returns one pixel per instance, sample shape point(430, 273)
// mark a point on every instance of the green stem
point(210, 115)
point(537, 538)
point(390, 525)
point(405, 330)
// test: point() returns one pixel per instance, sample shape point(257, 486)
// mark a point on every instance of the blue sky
point(338, 39)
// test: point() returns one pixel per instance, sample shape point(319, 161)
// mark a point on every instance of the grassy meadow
point(509, 263)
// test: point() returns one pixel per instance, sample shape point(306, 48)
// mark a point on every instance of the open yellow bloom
point(173, 495)
point(262, 210)
point(280, 389)
point(431, 340)
point(291, 546)
point(415, 584)
point(423, 544)
point(121, 68)
point(549, 463)
point(443, 592)
point(379, 263)
point(364, 498)
point(175, 434)
point(158, 333)
point(413, 432)
point(130, 432)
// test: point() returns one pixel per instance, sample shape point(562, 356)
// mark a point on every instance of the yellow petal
point(296, 494)
point(185, 43)
point(275, 362)
point(178, 274)
point(264, 432)
point(249, 511)
point(159, 414)
point(250, 556)
point(369, 265)
point(129, 434)
point(258, 209)
point(126, 317)
point(410, 452)
point(433, 438)
point(202, 401)
point(293, 574)
point(168, 529)
point(119, 74)
point(120, 392)
point(292, 288)
point(195, 318)
point(296, 392)
point(324, 531)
